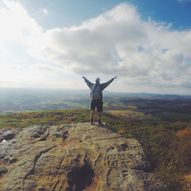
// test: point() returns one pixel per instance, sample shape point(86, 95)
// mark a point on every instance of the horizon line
point(119, 92)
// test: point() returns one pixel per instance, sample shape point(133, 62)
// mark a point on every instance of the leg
point(92, 117)
point(92, 112)
point(99, 118)
point(100, 109)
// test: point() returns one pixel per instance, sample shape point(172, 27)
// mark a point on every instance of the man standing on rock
point(96, 95)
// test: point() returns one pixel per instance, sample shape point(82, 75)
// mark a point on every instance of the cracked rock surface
point(73, 157)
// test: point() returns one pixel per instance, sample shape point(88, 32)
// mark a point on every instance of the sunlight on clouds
point(22, 41)
point(146, 55)
point(15, 22)
point(20, 35)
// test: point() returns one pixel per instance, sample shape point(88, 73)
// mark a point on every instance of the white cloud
point(16, 23)
point(144, 54)
point(184, 1)
point(18, 29)
point(43, 11)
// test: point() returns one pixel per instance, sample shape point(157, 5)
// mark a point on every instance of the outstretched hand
point(115, 77)
point(83, 77)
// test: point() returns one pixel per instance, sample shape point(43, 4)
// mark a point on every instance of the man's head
point(97, 81)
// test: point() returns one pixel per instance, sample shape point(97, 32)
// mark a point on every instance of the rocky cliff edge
point(72, 157)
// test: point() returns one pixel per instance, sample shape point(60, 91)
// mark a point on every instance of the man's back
point(96, 91)
point(96, 95)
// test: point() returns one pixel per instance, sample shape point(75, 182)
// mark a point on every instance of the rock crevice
point(36, 158)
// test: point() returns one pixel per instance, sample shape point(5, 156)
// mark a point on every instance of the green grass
point(127, 113)
point(42, 117)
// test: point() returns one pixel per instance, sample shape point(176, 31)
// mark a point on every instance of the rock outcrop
point(73, 157)
point(6, 135)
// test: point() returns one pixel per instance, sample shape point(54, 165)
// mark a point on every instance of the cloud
point(16, 23)
point(18, 32)
point(184, 1)
point(119, 42)
point(144, 54)
point(43, 11)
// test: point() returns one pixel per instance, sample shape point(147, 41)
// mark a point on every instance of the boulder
point(6, 135)
point(73, 157)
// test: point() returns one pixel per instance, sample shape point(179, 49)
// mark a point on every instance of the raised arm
point(89, 84)
point(104, 85)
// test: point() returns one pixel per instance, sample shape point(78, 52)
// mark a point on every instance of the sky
point(52, 44)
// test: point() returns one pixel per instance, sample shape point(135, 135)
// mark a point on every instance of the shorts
point(98, 104)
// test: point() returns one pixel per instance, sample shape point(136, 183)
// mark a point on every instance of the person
point(96, 96)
